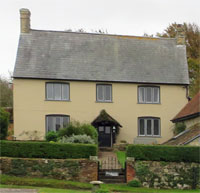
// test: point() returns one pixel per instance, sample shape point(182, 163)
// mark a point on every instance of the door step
point(106, 149)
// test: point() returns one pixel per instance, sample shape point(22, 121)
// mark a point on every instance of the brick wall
point(81, 170)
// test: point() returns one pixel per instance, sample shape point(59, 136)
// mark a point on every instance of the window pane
point(101, 129)
point(155, 95)
point(65, 92)
point(49, 91)
point(141, 129)
point(57, 91)
point(65, 121)
point(149, 127)
point(107, 130)
point(50, 124)
point(99, 93)
point(58, 123)
point(148, 94)
point(107, 93)
point(156, 127)
point(141, 95)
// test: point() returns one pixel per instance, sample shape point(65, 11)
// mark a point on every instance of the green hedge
point(46, 150)
point(164, 153)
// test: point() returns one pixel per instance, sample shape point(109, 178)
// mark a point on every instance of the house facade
point(140, 82)
point(190, 113)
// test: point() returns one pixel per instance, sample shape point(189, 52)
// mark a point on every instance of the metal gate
point(110, 171)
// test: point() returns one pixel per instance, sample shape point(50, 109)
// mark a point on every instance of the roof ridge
point(106, 34)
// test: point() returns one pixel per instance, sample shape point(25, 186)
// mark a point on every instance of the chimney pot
point(25, 20)
point(180, 35)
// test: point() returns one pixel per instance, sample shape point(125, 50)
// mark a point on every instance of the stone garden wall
point(82, 170)
point(182, 175)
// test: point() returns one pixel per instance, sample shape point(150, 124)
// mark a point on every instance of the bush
point(28, 149)
point(4, 122)
point(76, 128)
point(134, 183)
point(164, 153)
point(179, 127)
point(77, 139)
point(51, 136)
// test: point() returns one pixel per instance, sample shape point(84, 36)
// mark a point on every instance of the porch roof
point(104, 117)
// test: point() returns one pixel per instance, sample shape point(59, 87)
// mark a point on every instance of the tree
point(6, 93)
point(4, 122)
point(192, 41)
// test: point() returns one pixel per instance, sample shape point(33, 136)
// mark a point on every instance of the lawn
point(121, 156)
point(54, 186)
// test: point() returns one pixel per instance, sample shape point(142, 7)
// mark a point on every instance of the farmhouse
point(129, 87)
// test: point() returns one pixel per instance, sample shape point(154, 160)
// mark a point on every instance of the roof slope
point(100, 57)
point(105, 118)
point(186, 136)
point(190, 110)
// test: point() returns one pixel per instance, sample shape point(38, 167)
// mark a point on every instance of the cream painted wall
point(191, 122)
point(30, 106)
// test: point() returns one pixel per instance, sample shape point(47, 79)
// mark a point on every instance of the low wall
point(165, 175)
point(82, 170)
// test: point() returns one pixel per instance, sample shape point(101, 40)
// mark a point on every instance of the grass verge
point(121, 156)
point(62, 186)
point(41, 182)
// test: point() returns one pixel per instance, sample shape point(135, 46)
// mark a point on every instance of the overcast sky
point(131, 17)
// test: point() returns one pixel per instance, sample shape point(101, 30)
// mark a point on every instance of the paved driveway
point(12, 190)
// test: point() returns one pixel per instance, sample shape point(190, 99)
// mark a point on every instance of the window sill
point(104, 101)
point(150, 103)
point(59, 100)
point(140, 136)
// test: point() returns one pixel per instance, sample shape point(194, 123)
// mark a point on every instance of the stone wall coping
point(130, 159)
point(70, 159)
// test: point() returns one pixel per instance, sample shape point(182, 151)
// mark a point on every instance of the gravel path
point(12, 190)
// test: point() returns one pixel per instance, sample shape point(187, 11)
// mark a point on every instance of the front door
point(105, 136)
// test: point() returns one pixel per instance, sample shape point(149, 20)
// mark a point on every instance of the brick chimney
point(25, 20)
point(180, 35)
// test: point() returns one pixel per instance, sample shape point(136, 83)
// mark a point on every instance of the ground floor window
point(55, 122)
point(149, 126)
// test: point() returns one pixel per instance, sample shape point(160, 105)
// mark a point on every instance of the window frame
point(53, 115)
point(61, 94)
point(152, 126)
point(152, 94)
point(111, 91)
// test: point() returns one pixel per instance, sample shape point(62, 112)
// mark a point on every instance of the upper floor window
point(148, 126)
point(57, 91)
point(149, 94)
point(104, 93)
point(55, 122)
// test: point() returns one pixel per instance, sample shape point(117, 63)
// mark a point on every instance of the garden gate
point(110, 171)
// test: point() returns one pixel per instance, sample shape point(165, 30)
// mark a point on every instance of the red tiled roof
point(191, 108)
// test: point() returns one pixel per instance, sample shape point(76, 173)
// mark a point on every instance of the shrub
point(164, 153)
point(4, 122)
point(29, 149)
point(51, 136)
point(134, 183)
point(179, 127)
point(76, 128)
point(77, 139)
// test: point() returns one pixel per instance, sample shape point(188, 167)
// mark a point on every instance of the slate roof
point(100, 57)
point(190, 110)
point(185, 137)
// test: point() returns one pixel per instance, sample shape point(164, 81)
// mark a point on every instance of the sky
point(126, 17)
